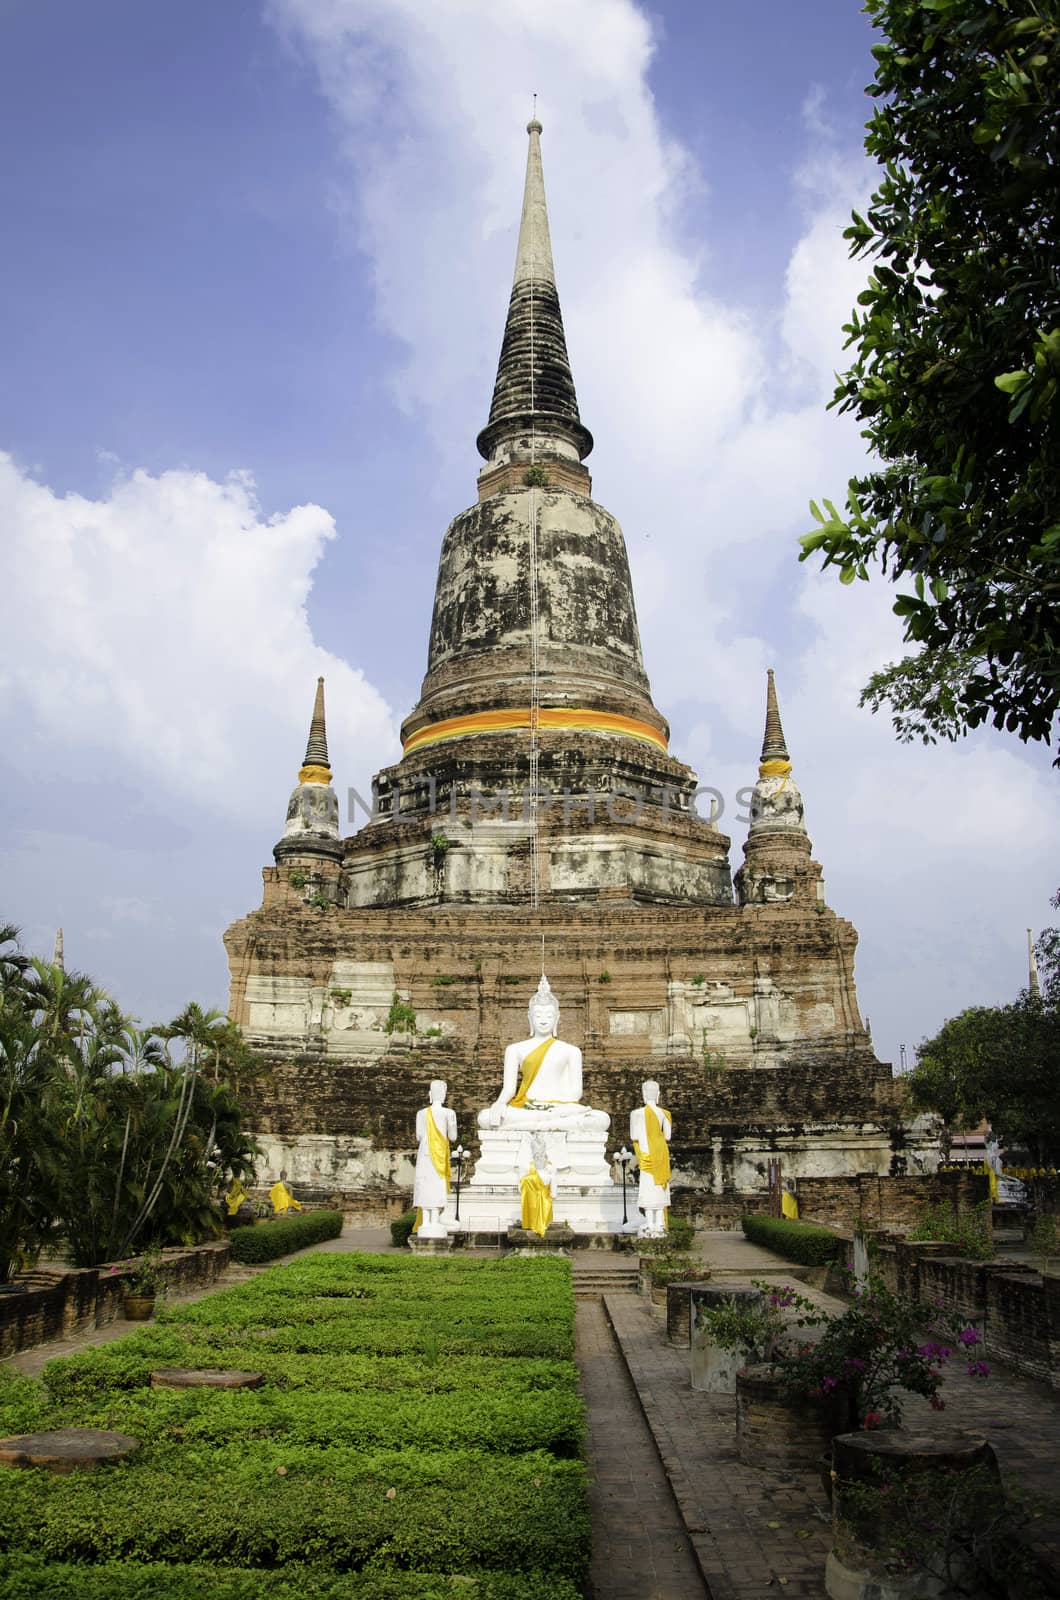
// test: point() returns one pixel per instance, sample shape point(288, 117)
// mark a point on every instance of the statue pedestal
point(430, 1246)
point(578, 1158)
point(494, 1208)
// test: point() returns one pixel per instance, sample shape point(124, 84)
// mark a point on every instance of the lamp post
point(459, 1156)
point(624, 1157)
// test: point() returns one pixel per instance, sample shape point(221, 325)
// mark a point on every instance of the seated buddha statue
point(542, 1086)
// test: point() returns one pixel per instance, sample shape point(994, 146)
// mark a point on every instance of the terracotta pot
point(138, 1307)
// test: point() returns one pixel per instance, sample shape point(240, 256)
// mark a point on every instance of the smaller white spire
point(1032, 966)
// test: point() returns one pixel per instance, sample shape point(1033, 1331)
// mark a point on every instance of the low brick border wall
point(1016, 1310)
point(59, 1302)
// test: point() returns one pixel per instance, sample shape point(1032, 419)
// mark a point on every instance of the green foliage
point(347, 1473)
point(296, 878)
point(873, 1353)
point(605, 976)
point(104, 1137)
point(267, 1240)
point(795, 1241)
point(998, 1062)
point(536, 477)
point(401, 1229)
point(957, 362)
point(1043, 1239)
point(25, 1577)
point(401, 1018)
point(968, 1231)
point(964, 1528)
point(443, 980)
point(441, 846)
point(756, 1330)
point(680, 1233)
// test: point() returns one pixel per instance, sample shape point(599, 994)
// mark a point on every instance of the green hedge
point(436, 1432)
point(234, 1506)
point(29, 1578)
point(267, 1240)
point(401, 1229)
point(804, 1242)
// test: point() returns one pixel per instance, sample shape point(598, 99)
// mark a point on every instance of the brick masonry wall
point(470, 970)
point(1015, 1309)
point(58, 1303)
point(891, 1202)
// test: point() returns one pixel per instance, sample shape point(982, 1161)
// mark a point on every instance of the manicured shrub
point(401, 1229)
point(235, 1506)
point(415, 1415)
point(30, 1578)
point(795, 1241)
point(267, 1240)
point(680, 1234)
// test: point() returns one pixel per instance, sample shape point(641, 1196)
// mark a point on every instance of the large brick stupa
point(536, 807)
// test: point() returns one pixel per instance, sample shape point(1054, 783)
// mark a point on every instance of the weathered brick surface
point(889, 1202)
point(781, 1433)
point(59, 1303)
point(602, 960)
point(1015, 1309)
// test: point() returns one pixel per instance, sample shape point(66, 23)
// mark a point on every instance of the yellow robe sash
point(655, 1160)
point(789, 1206)
point(537, 1202)
point(531, 1064)
point(438, 1145)
point(282, 1199)
point(235, 1196)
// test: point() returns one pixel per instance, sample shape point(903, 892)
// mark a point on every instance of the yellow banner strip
point(518, 718)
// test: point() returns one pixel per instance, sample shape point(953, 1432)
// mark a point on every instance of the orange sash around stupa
point(531, 1063)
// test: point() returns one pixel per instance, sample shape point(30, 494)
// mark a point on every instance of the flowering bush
point(757, 1330)
point(873, 1352)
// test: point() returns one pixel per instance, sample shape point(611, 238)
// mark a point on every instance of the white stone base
point(579, 1158)
point(494, 1208)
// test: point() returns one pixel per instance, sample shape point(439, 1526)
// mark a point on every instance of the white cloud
point(162, 631)
point(711, 438)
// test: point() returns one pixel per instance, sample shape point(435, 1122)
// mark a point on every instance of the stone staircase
point(593, 1282)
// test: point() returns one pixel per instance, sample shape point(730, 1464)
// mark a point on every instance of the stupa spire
point(534, 392)
point(316, 768)
point(775, 762)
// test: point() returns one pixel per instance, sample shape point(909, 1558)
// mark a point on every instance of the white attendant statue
point(542, 1086)
point(435, 1132)
point(651, 1128)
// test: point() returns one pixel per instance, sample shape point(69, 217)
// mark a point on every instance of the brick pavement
point(640, 1550)
point(756, 1535)
point(760, 1534)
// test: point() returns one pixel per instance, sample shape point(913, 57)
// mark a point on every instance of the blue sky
point(255, 269)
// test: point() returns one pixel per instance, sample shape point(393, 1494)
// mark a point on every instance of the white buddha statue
point(435, 1132)
point(651, 1129)
point(542, 1086)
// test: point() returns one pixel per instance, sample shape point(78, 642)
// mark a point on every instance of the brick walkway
point(640, 1551)
point(759, 1534)
point(756, 1535)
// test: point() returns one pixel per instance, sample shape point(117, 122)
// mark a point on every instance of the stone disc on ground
point(66, 1449)
point(204, 1378)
